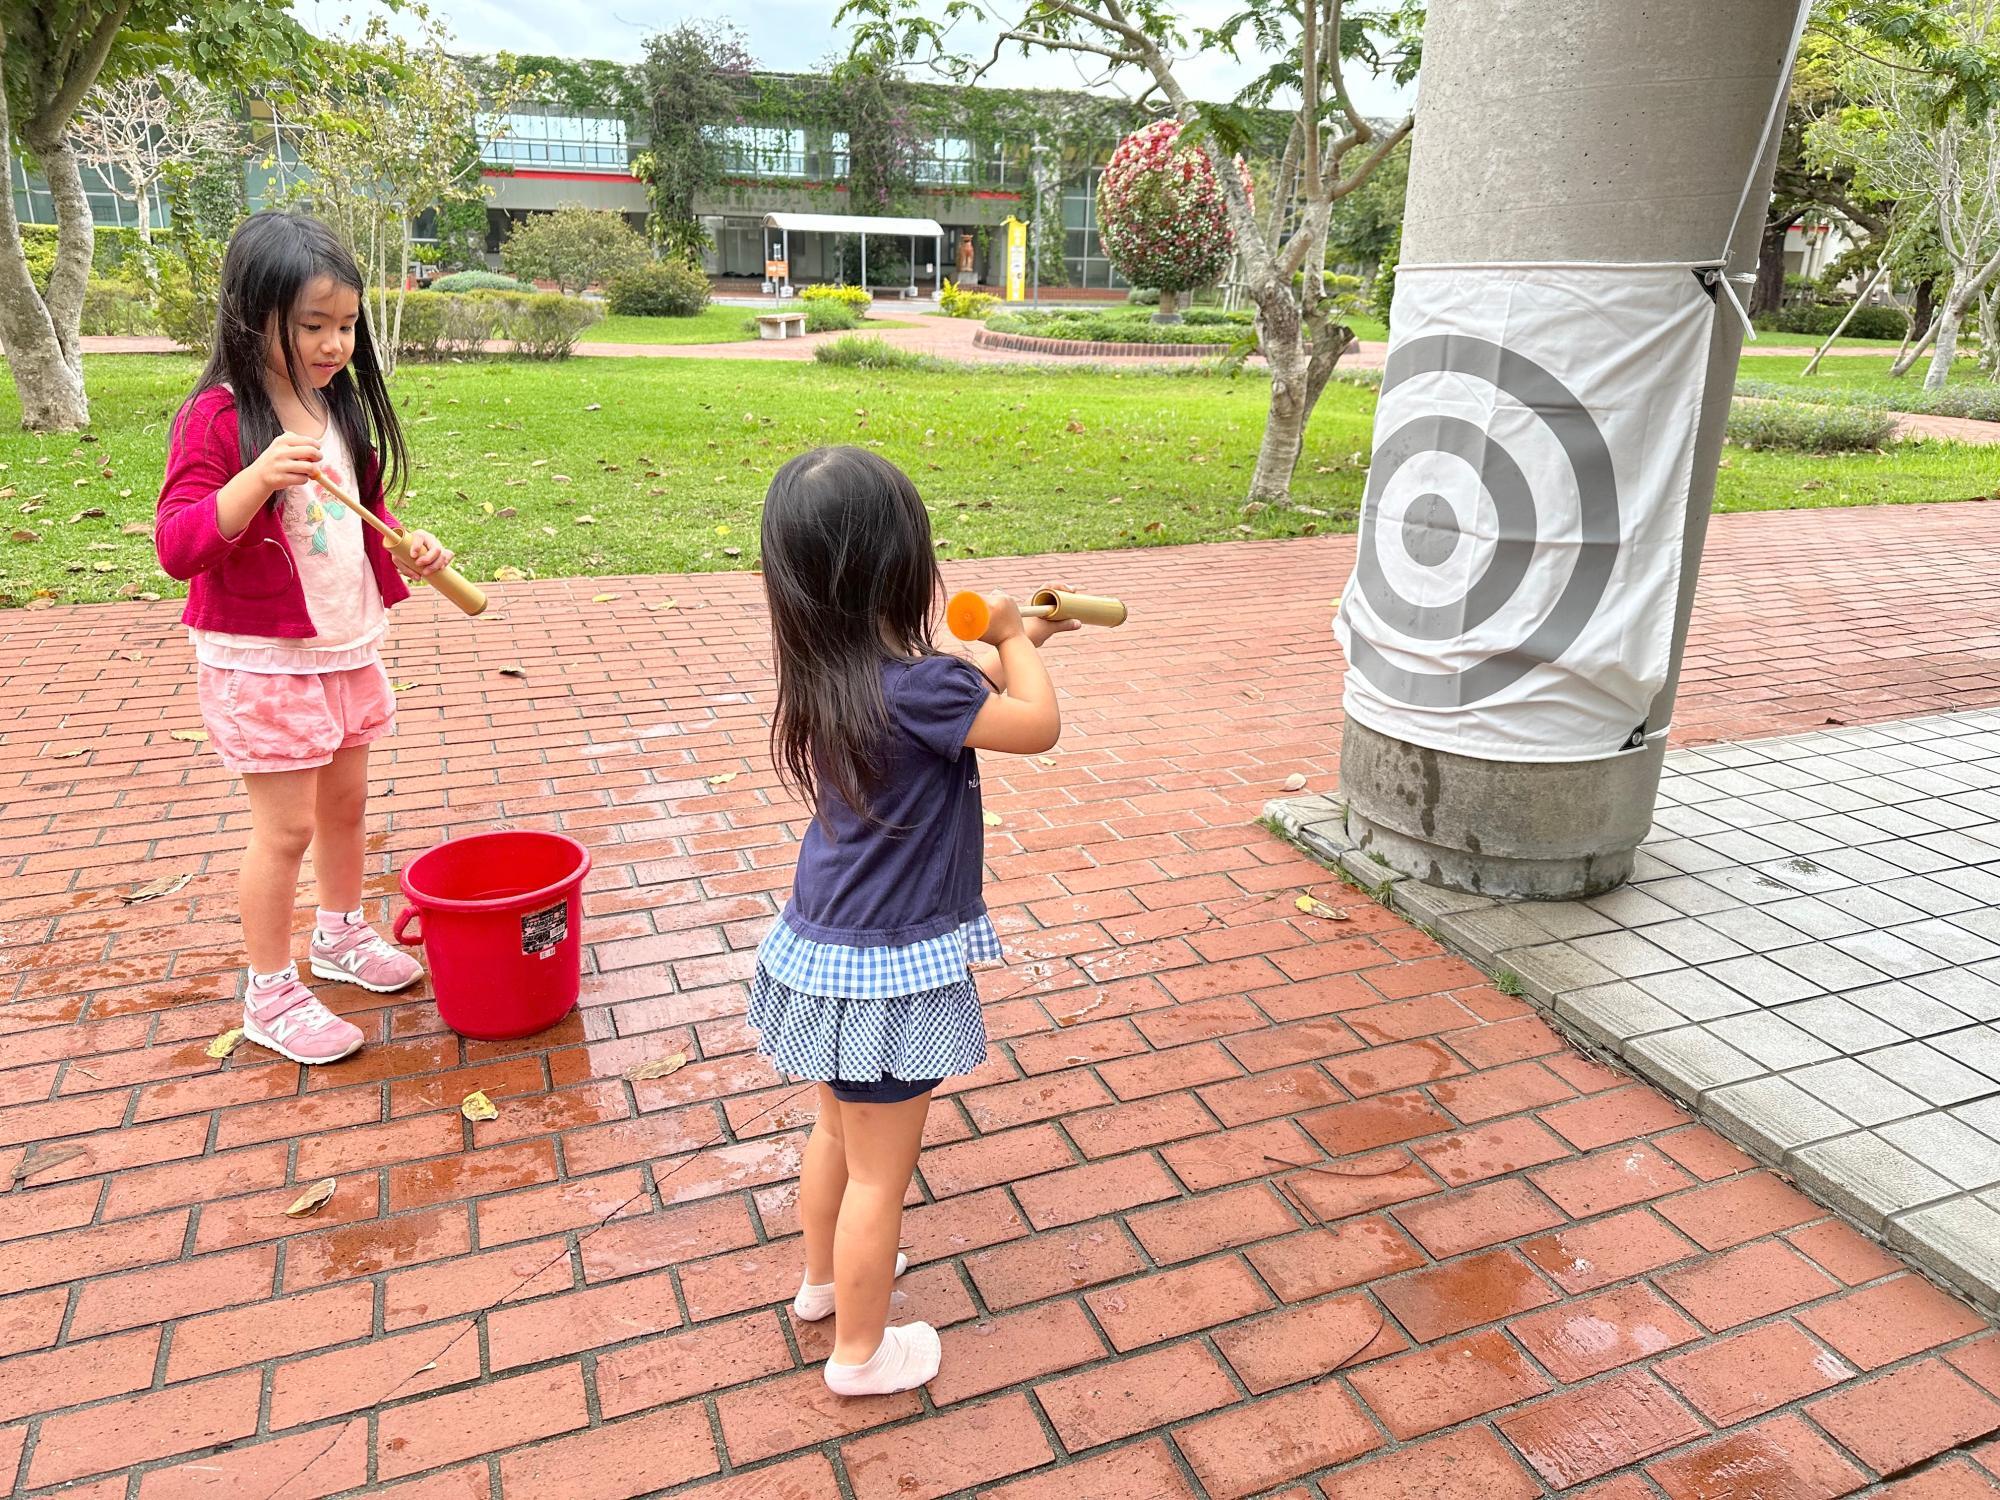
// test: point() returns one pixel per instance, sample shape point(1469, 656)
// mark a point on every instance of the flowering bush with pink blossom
point(1160, 211)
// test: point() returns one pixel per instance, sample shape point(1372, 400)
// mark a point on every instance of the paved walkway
point(1806, 958)
point(1248, 1197)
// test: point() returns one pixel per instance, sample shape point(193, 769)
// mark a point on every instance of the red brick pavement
point(1244, 1200)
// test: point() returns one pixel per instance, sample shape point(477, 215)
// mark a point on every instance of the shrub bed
point(1796, 427)
point(1821, 318)
point(662, 289)
point(479, 281)
point(1202, 325)
point(853, 297)
point(1978, 400)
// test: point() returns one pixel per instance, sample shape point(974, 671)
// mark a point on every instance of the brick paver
point(1245, 1199)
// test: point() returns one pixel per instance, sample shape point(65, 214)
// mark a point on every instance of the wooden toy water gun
point(967, 614)
point(454, 585)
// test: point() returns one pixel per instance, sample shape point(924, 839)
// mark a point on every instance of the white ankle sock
point(272, 980)
point(816, 1302)
point(907, 1358)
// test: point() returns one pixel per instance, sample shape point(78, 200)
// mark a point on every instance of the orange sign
point(777, 270)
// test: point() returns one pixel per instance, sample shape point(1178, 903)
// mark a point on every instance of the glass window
point(530, 138)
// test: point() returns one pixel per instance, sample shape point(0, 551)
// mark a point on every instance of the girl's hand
point(287, 463)
point(1039, 630)
point(427, 555)
point(1005, 622)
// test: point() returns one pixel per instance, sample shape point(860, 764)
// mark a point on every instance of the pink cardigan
point(247, 585)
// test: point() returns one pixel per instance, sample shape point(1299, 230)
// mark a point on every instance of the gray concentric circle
point(1518, 533)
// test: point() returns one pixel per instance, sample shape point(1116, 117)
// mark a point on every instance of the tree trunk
point(1989, 331)
point(76, 244)
point(1768, 295)
point(1170, 307)
point(49, 383)
point(1281, 335)
point(1923, 306)
point(1945, 349)
point(395, 348)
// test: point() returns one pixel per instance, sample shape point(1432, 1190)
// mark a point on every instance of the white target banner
point(1520, 547)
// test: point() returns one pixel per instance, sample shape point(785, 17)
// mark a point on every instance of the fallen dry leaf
point(192, 736)
point(166, 885)
point(312, 1200)
point(39, 1160)
point(508, 575)
point(513, 671)
point(664, 604)
point(992, 819)
point(1295, 782)
point(402, 687)
point(225, 1042)
point(1045, 760)
point(69, 752)
point(658, 1067)
point(1312, 906)
point(476, 1106)
point(602, 598)
point(722, 778)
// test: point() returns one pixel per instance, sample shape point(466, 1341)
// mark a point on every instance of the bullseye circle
point(1430, 530)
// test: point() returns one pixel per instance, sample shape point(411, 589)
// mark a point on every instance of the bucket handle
point(404, 936)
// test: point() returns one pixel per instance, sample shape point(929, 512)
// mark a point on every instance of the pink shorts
point(269, 721)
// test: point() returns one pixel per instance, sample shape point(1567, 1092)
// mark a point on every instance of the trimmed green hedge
point(1979, 400)
point(479, 281)
point(1820, 319)
point(1201, 325)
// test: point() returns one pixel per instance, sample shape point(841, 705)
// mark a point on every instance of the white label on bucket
point(542, 931)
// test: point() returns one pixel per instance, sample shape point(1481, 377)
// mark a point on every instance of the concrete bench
point(781, 325)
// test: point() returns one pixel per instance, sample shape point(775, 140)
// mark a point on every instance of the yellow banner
point(1017, 259)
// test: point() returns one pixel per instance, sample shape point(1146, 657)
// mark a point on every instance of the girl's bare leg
point(822, 1184)
point(340, 814)
point(281, 826)
point(882, 1144)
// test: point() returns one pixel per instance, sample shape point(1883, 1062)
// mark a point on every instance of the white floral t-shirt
point(342, 597)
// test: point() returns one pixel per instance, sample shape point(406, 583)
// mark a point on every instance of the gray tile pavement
point(1808, 957)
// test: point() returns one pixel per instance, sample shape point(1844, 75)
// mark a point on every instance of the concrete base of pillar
point(1495, 828)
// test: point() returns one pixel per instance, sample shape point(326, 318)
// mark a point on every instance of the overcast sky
point(789, 35)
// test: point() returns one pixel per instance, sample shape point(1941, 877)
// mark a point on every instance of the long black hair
point(272, 258)
point(852, 582)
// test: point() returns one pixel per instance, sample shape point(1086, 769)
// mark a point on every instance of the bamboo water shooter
point(967, 616)
point(454, 585)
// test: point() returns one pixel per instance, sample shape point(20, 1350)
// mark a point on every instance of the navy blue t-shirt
point(911, 871)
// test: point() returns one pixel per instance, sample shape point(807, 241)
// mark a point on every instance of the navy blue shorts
point(883, 1090)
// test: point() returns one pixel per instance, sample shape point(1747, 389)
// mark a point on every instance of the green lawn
point(657, 465)
point(714, 324)
point(514, 468)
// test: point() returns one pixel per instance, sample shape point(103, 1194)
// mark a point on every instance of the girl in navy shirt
point(864, 983)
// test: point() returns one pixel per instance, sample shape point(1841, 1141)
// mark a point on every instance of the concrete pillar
point(1573, 130)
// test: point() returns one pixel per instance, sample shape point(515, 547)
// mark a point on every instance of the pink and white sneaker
point(360, 956)
point(289, 1019)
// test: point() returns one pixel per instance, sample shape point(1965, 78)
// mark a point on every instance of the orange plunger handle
point(459, 589)
point(967, 616)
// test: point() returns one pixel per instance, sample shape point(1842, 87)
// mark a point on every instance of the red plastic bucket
point(502, 927)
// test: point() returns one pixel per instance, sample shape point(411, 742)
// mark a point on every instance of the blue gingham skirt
point(860, 1015)
point(834, 969)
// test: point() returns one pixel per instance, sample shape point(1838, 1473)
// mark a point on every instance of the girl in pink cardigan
point(287, 600)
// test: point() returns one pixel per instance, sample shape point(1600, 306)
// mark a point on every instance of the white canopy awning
point(854, 224)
